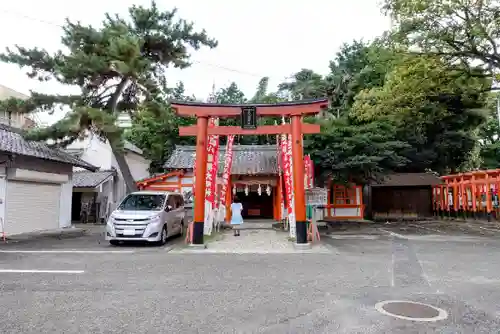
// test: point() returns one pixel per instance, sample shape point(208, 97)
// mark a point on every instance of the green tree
point(230, 95)
point(305, 84)
point(155, 129)
point(118, 67)
point(357, 66)
point(436, 110)
point(460, 30)
point(262, 95)
point(351, 151)
point(489, 136)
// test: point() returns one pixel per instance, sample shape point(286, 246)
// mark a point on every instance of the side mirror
point(168, 208)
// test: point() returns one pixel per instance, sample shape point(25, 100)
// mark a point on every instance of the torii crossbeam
point(295, 110)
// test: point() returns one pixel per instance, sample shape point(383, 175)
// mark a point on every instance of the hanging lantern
point(246, 190)
point(259, 190)
point(268, 190)
point(234, 189)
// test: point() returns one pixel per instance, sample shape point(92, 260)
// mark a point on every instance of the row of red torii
point(249, 113)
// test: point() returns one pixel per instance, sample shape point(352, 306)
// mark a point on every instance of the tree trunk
point(125, 170)
point(119, 154)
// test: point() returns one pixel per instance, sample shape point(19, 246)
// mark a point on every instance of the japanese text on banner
point(287, 177)
point(228, 161)
point(212, 165)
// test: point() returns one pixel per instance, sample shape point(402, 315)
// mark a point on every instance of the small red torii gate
point(295, 110)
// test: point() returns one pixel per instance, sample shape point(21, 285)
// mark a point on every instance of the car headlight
point(154, 219)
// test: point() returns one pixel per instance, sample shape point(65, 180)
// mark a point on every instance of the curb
point(65, 233)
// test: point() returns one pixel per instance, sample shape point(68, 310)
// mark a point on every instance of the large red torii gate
point(295, 110)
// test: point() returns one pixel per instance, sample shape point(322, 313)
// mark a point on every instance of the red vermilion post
point(298, 180)
point(200, 184)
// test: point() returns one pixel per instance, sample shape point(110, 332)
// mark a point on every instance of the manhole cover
point(411, 310)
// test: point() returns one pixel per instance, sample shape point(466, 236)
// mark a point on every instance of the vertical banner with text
point(226, 174)
point(211, 178)
point(282, 214)
point(288, 180)
point(291, 216)
point(309, 172)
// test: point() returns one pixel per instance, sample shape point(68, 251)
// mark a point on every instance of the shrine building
point(253, 167)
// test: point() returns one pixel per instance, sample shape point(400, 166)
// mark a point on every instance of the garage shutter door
point(31, 206)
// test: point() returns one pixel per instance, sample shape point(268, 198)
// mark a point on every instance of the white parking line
point(36, 271)
point(65, 251)
point(489, 229)
point(426, 228)
point(394, 234)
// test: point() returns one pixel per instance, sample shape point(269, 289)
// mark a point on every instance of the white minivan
point(151, 216)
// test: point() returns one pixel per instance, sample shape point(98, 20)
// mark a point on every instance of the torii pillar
point(295, 110)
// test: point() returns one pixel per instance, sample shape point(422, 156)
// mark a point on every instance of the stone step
point(253, 226)
point(256, 226)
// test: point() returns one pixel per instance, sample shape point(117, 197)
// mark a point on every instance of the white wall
point(52, 171)
point(65, 203)
point(16, 120)
point(100, 154)
point(138, 165)
point(95, 151)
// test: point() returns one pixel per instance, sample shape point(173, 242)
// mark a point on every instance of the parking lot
point(83, 285)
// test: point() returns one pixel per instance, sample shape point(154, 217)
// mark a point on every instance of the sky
point(257, 38)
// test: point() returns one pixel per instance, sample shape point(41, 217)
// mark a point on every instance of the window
point(344, 195)
point(172, 201)
point(142, 202)
point(180, 201)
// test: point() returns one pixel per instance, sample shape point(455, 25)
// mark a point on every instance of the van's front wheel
point(163, 237)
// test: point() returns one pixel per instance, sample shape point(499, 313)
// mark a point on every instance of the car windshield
point(142, 202)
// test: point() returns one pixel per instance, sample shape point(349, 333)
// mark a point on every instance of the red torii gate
point(295, 110)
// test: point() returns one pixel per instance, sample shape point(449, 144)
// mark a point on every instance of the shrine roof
point(247, 159)
point(409, 180)
point(286, 108)
point(239, 105)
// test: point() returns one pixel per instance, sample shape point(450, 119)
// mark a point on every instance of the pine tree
point(118, 67)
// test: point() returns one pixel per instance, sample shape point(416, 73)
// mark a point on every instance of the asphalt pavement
point(83, 285)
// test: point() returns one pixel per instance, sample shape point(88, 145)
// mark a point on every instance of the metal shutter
point(31, 206)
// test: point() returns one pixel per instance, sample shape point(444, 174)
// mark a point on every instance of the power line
point(34, 19)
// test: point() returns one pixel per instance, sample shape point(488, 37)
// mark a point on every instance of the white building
point(95, 195)
point(35, 180)
point(15, 120)
point(35, 184)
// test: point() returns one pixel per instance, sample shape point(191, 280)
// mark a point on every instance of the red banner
point(280, 168)
point(228, 162)
point(287, 175)
point(309, 172)
point(194, 176)
point(306, 172)
point(212, 165)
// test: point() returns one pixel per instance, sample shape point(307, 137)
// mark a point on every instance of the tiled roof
point(131, 147)
point(247, 159)
point(409, 180)
point(85, 179)
point(76, 152)
point(11, 141)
